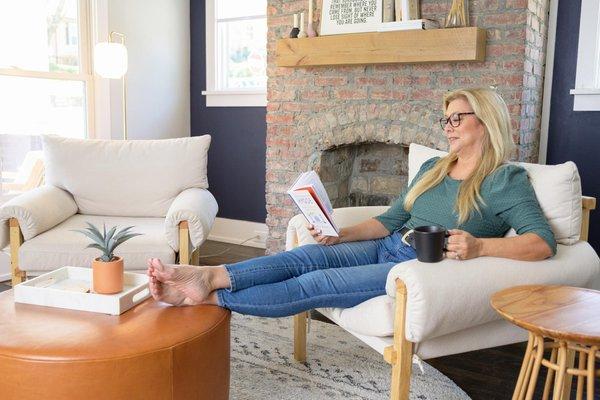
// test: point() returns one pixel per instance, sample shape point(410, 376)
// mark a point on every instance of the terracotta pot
point(108, 276)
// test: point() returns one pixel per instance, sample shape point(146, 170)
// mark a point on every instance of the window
point(236, 53)
point(45, 80)
point(587, 81)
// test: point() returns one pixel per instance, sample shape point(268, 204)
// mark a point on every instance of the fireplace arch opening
point(364, 174)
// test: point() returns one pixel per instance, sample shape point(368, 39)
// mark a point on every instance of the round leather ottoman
point(152, 351)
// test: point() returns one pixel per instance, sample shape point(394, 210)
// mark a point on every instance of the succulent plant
point(106, 242)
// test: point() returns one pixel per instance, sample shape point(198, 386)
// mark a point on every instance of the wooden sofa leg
point(300, 336)
point(184, 243)
point(399, 355)
point(195, 257)
point(16, 239)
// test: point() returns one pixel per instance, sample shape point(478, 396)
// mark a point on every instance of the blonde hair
point(498, 145)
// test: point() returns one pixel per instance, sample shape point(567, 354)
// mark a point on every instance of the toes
point(159, 275)
point(155, 288)
point(161, 271)
point(156, 263)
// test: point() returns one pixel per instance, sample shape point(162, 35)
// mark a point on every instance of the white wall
point(158, 78)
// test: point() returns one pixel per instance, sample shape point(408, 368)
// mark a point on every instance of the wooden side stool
point(564, 320)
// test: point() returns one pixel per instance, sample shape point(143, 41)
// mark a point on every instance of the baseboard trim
point(5, 277)
point(236, 231)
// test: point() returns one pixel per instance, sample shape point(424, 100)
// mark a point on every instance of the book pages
point(313, 212)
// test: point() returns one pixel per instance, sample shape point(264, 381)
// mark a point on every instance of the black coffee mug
point(429, 241)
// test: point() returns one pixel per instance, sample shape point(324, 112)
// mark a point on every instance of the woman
point(471, 189)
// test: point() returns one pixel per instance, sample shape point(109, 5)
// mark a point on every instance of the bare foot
point(163, 292)
point(192, 281)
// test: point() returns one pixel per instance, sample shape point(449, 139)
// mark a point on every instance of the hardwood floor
point(210, 253)
point(488, 374)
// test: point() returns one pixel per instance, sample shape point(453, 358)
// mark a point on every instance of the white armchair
point(437, 309)
point(159, 186)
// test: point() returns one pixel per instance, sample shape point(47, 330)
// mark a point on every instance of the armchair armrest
point(37, 211)
point(452, 295)
point(196, 206)
point(297, 234)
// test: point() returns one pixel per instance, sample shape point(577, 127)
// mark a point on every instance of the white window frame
point(85, 68)
point(98, 29)
point(224, 98)
point(587, 81)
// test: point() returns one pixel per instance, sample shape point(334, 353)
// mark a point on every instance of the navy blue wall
point(236, 159)
point(573, 135)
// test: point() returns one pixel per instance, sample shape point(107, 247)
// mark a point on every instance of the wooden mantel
point(413, 46)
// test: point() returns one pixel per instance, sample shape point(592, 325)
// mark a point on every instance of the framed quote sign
point(350, 16)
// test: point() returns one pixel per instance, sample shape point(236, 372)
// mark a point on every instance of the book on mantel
point(311, 198)
point(408, 25)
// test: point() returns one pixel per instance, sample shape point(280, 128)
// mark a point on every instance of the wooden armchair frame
point(186, 254)
point(399, 355)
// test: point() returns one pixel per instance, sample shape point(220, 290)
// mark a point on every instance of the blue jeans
point(313, 276)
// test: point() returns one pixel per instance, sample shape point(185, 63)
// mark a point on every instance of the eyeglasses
point(453, 119)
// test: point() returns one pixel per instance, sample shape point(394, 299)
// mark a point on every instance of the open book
point(311, 198)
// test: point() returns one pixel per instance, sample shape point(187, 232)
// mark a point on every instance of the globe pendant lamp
point(110, 61)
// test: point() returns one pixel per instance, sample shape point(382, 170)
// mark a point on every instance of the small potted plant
point(107, 269)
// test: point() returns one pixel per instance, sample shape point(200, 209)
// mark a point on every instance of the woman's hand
point(324, 240)
point(462, 245)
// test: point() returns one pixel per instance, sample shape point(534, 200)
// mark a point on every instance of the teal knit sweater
point(509, 198)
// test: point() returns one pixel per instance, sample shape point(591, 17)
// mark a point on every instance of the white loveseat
point(437, 309)
point(159, 186)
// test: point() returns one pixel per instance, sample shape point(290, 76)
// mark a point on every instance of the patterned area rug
point(338, 366)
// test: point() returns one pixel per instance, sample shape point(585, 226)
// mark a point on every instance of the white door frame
point(548, 73)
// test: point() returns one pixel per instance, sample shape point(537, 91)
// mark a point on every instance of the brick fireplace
point(352, 124)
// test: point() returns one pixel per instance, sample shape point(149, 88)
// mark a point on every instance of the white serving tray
point(59, 289)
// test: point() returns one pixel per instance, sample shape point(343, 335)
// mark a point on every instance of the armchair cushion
point(61, 246)
point(133, 178)
point(557, 188)
point(374, 317)
point(451, 295)
point(196, 206)
point(38, 210)
point(468, 283)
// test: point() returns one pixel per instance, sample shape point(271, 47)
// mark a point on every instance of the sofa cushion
point(60, 246)
point(557, 187)
point(134, 178)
